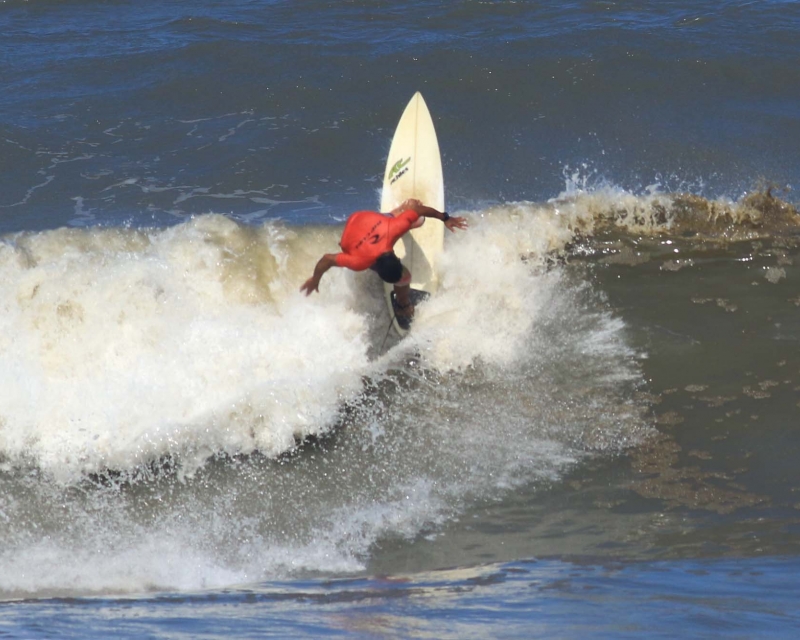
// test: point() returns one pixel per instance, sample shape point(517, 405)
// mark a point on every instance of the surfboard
point(414, 170)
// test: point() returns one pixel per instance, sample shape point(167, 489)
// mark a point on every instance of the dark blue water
point(189, 448)
point(121, 113)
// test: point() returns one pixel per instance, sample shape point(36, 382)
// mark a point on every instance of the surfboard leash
point(391, 322)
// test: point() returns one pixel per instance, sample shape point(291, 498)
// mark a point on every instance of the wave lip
point(760, 213)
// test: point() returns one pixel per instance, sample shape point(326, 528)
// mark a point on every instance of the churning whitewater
point(123, 347)
point(156, 377)
point(170, 394)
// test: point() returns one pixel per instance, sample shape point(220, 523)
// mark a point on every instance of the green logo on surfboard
point(399, 168)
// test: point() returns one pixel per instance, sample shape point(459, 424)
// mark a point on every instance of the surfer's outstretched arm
point(451, 222)
point(312, 284)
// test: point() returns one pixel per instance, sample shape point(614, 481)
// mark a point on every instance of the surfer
point(368, 242)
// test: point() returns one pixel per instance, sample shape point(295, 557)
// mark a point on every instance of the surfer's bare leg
point(402, 291)
point(404, 307)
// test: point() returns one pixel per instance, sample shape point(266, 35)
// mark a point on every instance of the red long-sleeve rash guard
point(368, 235)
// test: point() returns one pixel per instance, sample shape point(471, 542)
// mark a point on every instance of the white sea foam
point(122, 347)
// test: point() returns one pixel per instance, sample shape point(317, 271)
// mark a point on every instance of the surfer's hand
point(312, 284)
point(456, 222)
point(411, 203)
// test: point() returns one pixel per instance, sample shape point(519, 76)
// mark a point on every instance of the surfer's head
point(389, 268)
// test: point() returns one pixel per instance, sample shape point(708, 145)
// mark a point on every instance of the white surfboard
point(414, 170)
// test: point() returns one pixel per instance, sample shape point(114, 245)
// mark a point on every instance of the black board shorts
point(388, 267)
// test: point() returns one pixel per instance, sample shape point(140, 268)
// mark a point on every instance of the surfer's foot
point(405, 312)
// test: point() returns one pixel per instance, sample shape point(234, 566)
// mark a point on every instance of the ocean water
point(592, 429)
